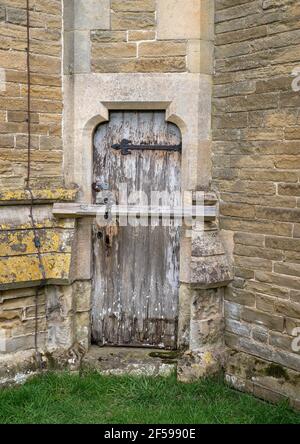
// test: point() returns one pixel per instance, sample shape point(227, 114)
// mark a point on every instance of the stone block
point(16, 16)
point(238, 328)
point(288, 269)
point(45, 64)
point(206, 333)
point(77, 52)
point(132, 20)
point(207, 20)
point(295, 296)
point(281, 341)
point(206, 243)
point(20, 270)
point(100, 36)
point(260, 334)
point(141, 35)
point(13, 60)
point(243, 273)
point(259, 287)
point(264, 253)
point(178, 19)
point(195, 365)
point(270, 321)
point(133, 5)
point(232, 310)
point(162, 49)
point(206, 304)
point(277, 279)
point(185, 301)
point(82, 296)
point(237, 210)
point(288, 308)
point(281, 214)
point(142, 65)
point(25, 342)
point(83, 329)
point(115, 65)
point(238, 11)
point(2, 13)
point(86, 14)
point(283, 243)
point(240, 296)
point(210, 271)
point(161, 64)
point(114, 50)
point(289, 189)
point(206, 57)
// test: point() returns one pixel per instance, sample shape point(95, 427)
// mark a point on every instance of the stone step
point(131, 361)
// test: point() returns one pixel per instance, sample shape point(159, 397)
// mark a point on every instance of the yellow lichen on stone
point(16, 243)
point(207, 358)
point(22, 269)
point(42, 195)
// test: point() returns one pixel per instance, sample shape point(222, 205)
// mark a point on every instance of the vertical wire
point(28, 188)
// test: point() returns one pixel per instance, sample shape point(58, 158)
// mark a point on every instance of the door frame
point(186, 100)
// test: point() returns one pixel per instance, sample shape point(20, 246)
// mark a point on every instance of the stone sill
point(40, 196)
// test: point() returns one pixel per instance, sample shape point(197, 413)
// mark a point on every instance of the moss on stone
point(165, 355)
point(277, 371)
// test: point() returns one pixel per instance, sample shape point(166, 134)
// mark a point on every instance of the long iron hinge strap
point(126, 146)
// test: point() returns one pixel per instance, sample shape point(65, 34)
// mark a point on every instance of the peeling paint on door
point(136, 268)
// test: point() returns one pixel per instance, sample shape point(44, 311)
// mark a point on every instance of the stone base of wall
point(16, 368)
point(263, 379)
point(61, 329)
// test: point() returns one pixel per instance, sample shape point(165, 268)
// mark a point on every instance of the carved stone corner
point(210, 270)
point(210, 265)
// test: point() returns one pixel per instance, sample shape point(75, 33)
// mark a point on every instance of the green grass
point(63, 398)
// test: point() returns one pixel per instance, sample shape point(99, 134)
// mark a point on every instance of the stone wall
point(35, 313)
point(138, 36)
point(46, 93)
point(35, 248)
point(256, 132)
point(56, 320)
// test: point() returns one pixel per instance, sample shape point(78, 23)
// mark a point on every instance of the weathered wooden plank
point(85, 210)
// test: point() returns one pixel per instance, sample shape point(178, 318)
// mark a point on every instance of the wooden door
point(136, 268)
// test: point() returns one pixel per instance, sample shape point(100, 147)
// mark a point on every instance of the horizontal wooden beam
point(77, 210)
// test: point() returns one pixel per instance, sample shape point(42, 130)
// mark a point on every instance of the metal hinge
point(126, 146)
